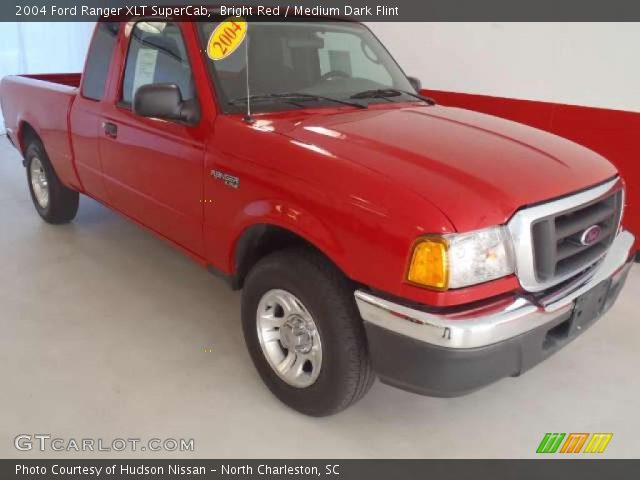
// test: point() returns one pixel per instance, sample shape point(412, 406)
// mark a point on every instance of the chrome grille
point(558, 248)
point(548, 238)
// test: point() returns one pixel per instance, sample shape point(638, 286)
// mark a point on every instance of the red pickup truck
point(373, 232)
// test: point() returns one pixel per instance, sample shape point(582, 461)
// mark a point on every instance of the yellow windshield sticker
point(226, 38)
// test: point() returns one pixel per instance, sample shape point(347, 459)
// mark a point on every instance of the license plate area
point(589, 306)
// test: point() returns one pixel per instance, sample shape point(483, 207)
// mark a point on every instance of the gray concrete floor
point(105, 332)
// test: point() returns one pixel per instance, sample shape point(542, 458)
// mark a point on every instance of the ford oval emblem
point(590, 235)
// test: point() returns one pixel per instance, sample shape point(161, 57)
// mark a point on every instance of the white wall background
point(42, 48)
point(592, 64)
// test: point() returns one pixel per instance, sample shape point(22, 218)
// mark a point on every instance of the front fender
point(290, 217)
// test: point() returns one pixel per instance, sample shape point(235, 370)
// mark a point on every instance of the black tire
point(63, 202)
point(346, 373)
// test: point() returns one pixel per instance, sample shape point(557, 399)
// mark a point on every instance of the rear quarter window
point(99, 59)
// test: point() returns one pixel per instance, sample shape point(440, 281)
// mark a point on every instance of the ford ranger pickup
point(373, 232)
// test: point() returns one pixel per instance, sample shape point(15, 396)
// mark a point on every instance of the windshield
point(322, 61)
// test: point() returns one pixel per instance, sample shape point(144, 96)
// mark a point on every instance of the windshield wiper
point(259, 98)
point(391, 92)
point(292, 96)
point(313, 96)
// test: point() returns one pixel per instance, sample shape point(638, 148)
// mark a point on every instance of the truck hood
point(476, 168)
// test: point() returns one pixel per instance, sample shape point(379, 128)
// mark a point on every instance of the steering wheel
point(334, 74)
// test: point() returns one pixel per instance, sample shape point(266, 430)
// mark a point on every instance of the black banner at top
point(362, 10)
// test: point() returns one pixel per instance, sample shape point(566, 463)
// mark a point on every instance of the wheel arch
point(26, 131)
point(260, 239)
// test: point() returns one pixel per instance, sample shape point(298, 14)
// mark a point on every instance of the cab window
point(98, 60)
point(157, 54)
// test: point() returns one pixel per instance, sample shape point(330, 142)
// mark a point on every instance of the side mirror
point(164, 100)
point(415, 83)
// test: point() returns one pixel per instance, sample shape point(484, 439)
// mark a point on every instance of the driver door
point(153, 169)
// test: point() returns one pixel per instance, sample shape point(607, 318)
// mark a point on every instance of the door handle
point(110, 129)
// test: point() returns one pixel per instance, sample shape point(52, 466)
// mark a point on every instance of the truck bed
point(42, 102)
point(68, 79)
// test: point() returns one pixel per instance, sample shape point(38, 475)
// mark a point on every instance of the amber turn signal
point(429, 267)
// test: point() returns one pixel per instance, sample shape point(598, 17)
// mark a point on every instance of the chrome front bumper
point(497, 322)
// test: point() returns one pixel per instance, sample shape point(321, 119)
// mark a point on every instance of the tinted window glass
point(347, 54)
point(157, 54)
point(330, 59)
point(98, 60)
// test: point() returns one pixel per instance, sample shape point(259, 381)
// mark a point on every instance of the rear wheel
point(54, 202)
point(304, 333)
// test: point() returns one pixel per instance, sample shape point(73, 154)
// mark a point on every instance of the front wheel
point(304, 333)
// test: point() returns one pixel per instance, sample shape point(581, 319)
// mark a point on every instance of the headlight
point(461, 259)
